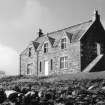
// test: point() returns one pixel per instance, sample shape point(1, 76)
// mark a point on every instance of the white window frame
point(29, 71)
point(63, 43)
point(45, 47)
point(64, 62)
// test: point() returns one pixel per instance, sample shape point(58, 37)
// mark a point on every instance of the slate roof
point(77, 30)
point(74, 33)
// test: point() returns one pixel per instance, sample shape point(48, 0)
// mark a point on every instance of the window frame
point(51, 64)
point(64, 62)
point(29, 52)
point(45, 47)
point(29, 71)
point(63, 43)
point(40, 66)
point(98, 49)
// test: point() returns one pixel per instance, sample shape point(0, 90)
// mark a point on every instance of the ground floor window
point(51, 64)
point(64, 62)
point(29, 69)
point(40, 67)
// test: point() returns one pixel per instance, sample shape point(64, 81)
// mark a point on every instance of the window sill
point(63, 68)
point(64, 49)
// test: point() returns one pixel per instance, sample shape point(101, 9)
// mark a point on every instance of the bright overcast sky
point(20, 20)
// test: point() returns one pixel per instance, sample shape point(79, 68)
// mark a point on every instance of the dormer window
point(63, 43)
point(45, 47)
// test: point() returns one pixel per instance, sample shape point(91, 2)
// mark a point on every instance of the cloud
point(33, 14)
point(9, 60)
point(15, 32)
point(99, 1)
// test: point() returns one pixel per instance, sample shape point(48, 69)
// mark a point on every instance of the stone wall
point(25, 60)
point(72, 51)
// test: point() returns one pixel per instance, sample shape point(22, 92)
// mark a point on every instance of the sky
point(21, 19)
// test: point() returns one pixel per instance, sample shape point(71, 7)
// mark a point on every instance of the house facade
point(78, 48)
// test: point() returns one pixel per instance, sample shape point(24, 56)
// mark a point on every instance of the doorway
point(46, 68)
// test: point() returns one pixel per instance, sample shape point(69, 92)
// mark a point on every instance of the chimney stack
point(40, 32)
point(96, 16)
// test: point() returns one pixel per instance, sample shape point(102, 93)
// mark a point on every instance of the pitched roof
point(77, 31)
point(74, 33)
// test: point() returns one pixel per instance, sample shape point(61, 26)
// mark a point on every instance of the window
point(45, 47)
point(29, 69)
point(98, 49)
point(40, 67)
point(51, 64)
point(29, 52)
point(63, 43)
point(64, 62)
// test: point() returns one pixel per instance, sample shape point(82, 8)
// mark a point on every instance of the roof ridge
point(47, 34)
point(68, 27)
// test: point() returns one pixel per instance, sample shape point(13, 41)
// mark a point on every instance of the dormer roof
point(69, 35)
point(52, 40)
point(36, 44)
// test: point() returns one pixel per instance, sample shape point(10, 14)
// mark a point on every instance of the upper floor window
point(64, 62)
point(45, 47)
point(29, 54)
point(51, 64)
point(63, 43)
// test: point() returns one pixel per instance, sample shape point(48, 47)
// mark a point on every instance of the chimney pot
point(96, 16)
point(40, 32)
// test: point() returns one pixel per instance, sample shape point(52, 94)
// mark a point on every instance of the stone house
point(78, 48)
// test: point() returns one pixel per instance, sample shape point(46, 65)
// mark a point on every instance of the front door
point(46, 68)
